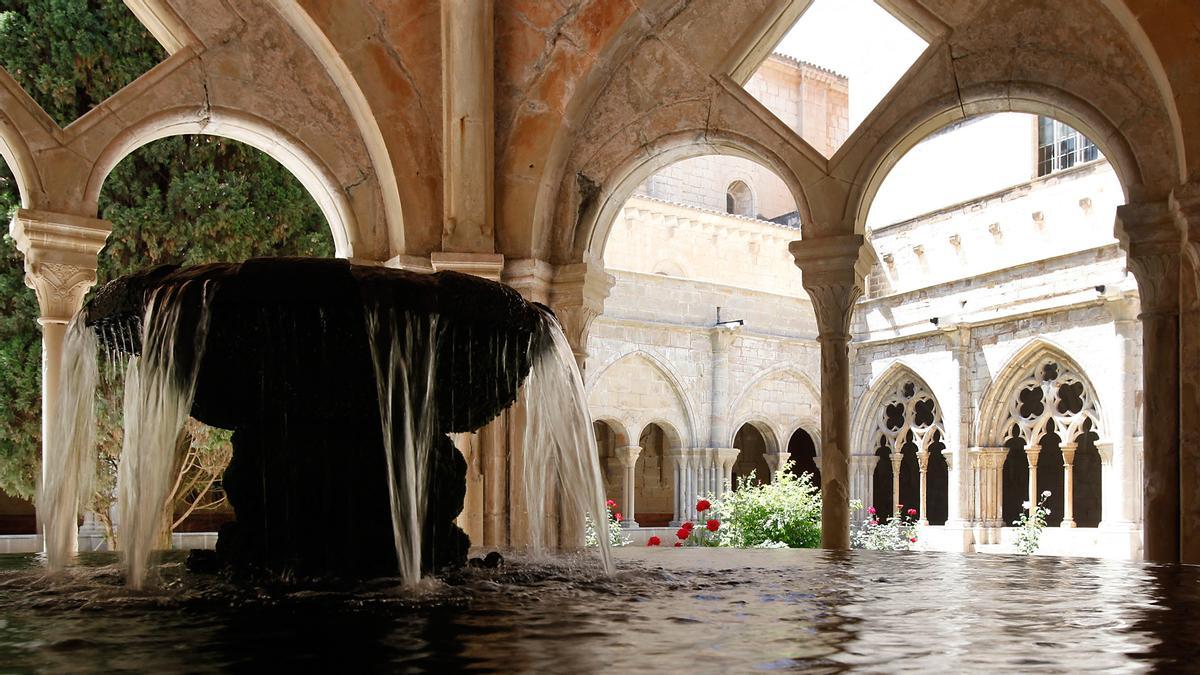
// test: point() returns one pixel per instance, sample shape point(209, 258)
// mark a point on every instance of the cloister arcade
point(509, 156)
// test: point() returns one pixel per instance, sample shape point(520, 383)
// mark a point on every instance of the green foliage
point(70, 55)
point(786, 511)
point(1029, 534)
point(616, 537)
point(184, 200)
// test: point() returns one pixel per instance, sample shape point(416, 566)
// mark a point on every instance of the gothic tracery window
point(910, 431)
point(1051, 432)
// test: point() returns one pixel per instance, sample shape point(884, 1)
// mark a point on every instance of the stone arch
point(862, 429)
point(19, 159)
point(669, 268)
point(654, 474)
point(245, 128)
point(782, 421)
point(804, 452)
point(756, 441)
point(677, 412)
point(995, 405)
point(1026, 97)
point(599, 211)
point(618, 428)
point(366, 119)
point(739, 199)
point(901, 421)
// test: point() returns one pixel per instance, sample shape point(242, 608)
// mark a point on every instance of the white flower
point(1045, 493)
point(1025, 504)
point(1047, 511)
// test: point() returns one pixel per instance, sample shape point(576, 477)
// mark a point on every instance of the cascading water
point(560, 444)
point(158, 399)
point(404, 354)
point(68, 464)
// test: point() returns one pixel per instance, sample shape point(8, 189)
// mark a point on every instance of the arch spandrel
point(610, 392)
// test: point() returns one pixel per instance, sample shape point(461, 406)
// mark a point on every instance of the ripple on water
point(701, 611)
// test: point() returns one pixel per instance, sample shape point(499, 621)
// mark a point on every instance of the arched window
point(739, 201)
point(912, 470)
point(654, 484)
point(752, 458)
point(802, 452)
point(1051, 441)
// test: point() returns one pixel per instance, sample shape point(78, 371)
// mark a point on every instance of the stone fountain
point(325, 371)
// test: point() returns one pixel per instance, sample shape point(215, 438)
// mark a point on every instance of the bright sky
point(858, 39)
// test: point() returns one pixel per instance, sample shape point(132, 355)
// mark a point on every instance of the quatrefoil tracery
point(1051, 398)
point(909, 409)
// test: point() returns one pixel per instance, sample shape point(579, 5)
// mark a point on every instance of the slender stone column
point(862, 474)
point(988, 491)
point(1068, 452)
point(726, 457)
point(833, 269)
point(1032, 455)
point(1151, 240)
point(61, 253)
point(627, 455)
point(923, 461)
point(1185, 207)
point(897, 461)
point(959, 416)
point(721, 337)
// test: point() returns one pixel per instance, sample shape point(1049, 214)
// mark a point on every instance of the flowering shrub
point(688, 534)
point(615, 536)
point(1030, 534)
point(897, 533)
point(783, 513)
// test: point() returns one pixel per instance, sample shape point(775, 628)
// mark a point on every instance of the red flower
point(874, 521)
point(913, 540)
point(679, 544)
point(688, 526)
point(871, 510)
point(912, 512)
point(610, 503)
point(618, 517)
point(683, 533)
point(703, 505)
point(713, 525)
point(653, 541)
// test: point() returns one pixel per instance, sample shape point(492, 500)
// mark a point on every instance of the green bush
point(784, 512)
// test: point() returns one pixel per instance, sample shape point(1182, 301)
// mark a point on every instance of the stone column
point(726, 457)
point(1032, 455)
point(721, 337)
point(776, 460)
point(833, 269)
point(627, 455)
point(1151, 241)
point(923, 463)
point(1121, 486)
point(897, 461)
point(1185, 207)
point(959, 417)
point(1068, 452)
point(862, 478)
point(61, 255)
point(468, 117)
point(988, 491)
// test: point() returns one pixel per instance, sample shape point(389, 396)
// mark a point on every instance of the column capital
point(1068, 452)
point(1151, 239)
point(1032, 455)
point(61, 252)
point(576, 292)
point(727, 455)
point(628, 455)
point(723, 335)
point(833, 270)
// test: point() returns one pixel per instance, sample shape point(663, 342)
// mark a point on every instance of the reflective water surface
point(695, 610)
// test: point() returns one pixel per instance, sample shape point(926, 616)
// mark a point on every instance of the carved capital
point(1068, 453)
point(628, 455)
point(60, 258)
point(577, 294)
point(486, 265)
point(1150, 237)
point(833, 269)
point(723, 336)
point(1032, 455)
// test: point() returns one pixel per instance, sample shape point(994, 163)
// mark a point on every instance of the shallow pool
point(699, 610)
